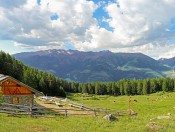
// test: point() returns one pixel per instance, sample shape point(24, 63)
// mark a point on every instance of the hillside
point(169, 62)
point(40, 80)
point(93, 66)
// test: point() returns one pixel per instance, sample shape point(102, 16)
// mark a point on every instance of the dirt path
point(70, 111)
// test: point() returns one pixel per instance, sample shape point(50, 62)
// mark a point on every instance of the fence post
point(66, 112)
point(31, 109)
point(129, 105)
point(95, 113)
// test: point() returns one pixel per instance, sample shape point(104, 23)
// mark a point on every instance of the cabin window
point(16, 100)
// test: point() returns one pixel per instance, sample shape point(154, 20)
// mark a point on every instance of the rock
point(153, 126)
point(110, 117)
point(163, 117)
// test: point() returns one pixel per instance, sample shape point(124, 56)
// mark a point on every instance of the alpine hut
point(16, 92)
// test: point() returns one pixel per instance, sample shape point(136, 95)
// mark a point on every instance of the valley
point(87, 66)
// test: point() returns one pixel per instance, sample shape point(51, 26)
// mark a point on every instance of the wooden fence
point(15, 109)
point(36, 111)
point(104, 111)
point(42, 111)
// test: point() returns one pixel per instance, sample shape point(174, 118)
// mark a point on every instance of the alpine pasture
point(150, 109)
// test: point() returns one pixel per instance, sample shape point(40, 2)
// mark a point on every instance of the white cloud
point(155, 49)
point(137, 25)
point(31, 21)
point(138, 22)
point(36, 48)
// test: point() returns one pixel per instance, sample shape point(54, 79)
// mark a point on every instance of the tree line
point(125, 87)
point(51, 85)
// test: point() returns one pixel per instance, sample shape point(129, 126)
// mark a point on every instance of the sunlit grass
point(148, 108)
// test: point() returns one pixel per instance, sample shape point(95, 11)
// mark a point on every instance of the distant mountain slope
point(169, 62)
point(93, 66)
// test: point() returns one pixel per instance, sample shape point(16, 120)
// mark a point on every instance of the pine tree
point(127, 87)
point(139, 87)
point(165, 85)
point(97, 88)
point(146, 86)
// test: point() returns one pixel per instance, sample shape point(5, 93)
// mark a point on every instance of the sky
point(146, 26)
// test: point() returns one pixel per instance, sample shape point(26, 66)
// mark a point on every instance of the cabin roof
point(5, 77)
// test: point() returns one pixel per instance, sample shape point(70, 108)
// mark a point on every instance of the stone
point(110, 117)
point(153, 126)
point(163, 117)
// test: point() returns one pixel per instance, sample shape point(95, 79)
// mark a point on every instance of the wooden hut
point(16, 92)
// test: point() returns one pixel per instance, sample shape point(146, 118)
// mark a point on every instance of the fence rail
point(42, 111)
point(36, 111)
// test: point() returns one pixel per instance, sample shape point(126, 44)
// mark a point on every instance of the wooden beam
point(14, 85)
point(19, 94)
point(19, 91)
point(15, 91)
point(6, 86)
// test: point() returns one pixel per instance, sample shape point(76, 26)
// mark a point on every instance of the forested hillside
point(40, 80)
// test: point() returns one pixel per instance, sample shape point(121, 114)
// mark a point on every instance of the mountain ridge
point(93, 66)
point(168, 61)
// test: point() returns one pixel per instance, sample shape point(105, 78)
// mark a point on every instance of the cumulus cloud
point(137, 25)
point(139, 22)
point(155, 49)
point(31, 22)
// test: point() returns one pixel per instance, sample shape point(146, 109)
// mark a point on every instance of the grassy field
point(148, 108)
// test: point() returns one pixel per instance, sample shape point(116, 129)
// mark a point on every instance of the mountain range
point(74, 65)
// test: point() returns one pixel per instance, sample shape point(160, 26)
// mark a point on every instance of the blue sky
point(100, 14)
point(9, 47)
point(116, 25)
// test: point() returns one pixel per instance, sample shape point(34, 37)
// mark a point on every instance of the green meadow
point(147, 107)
